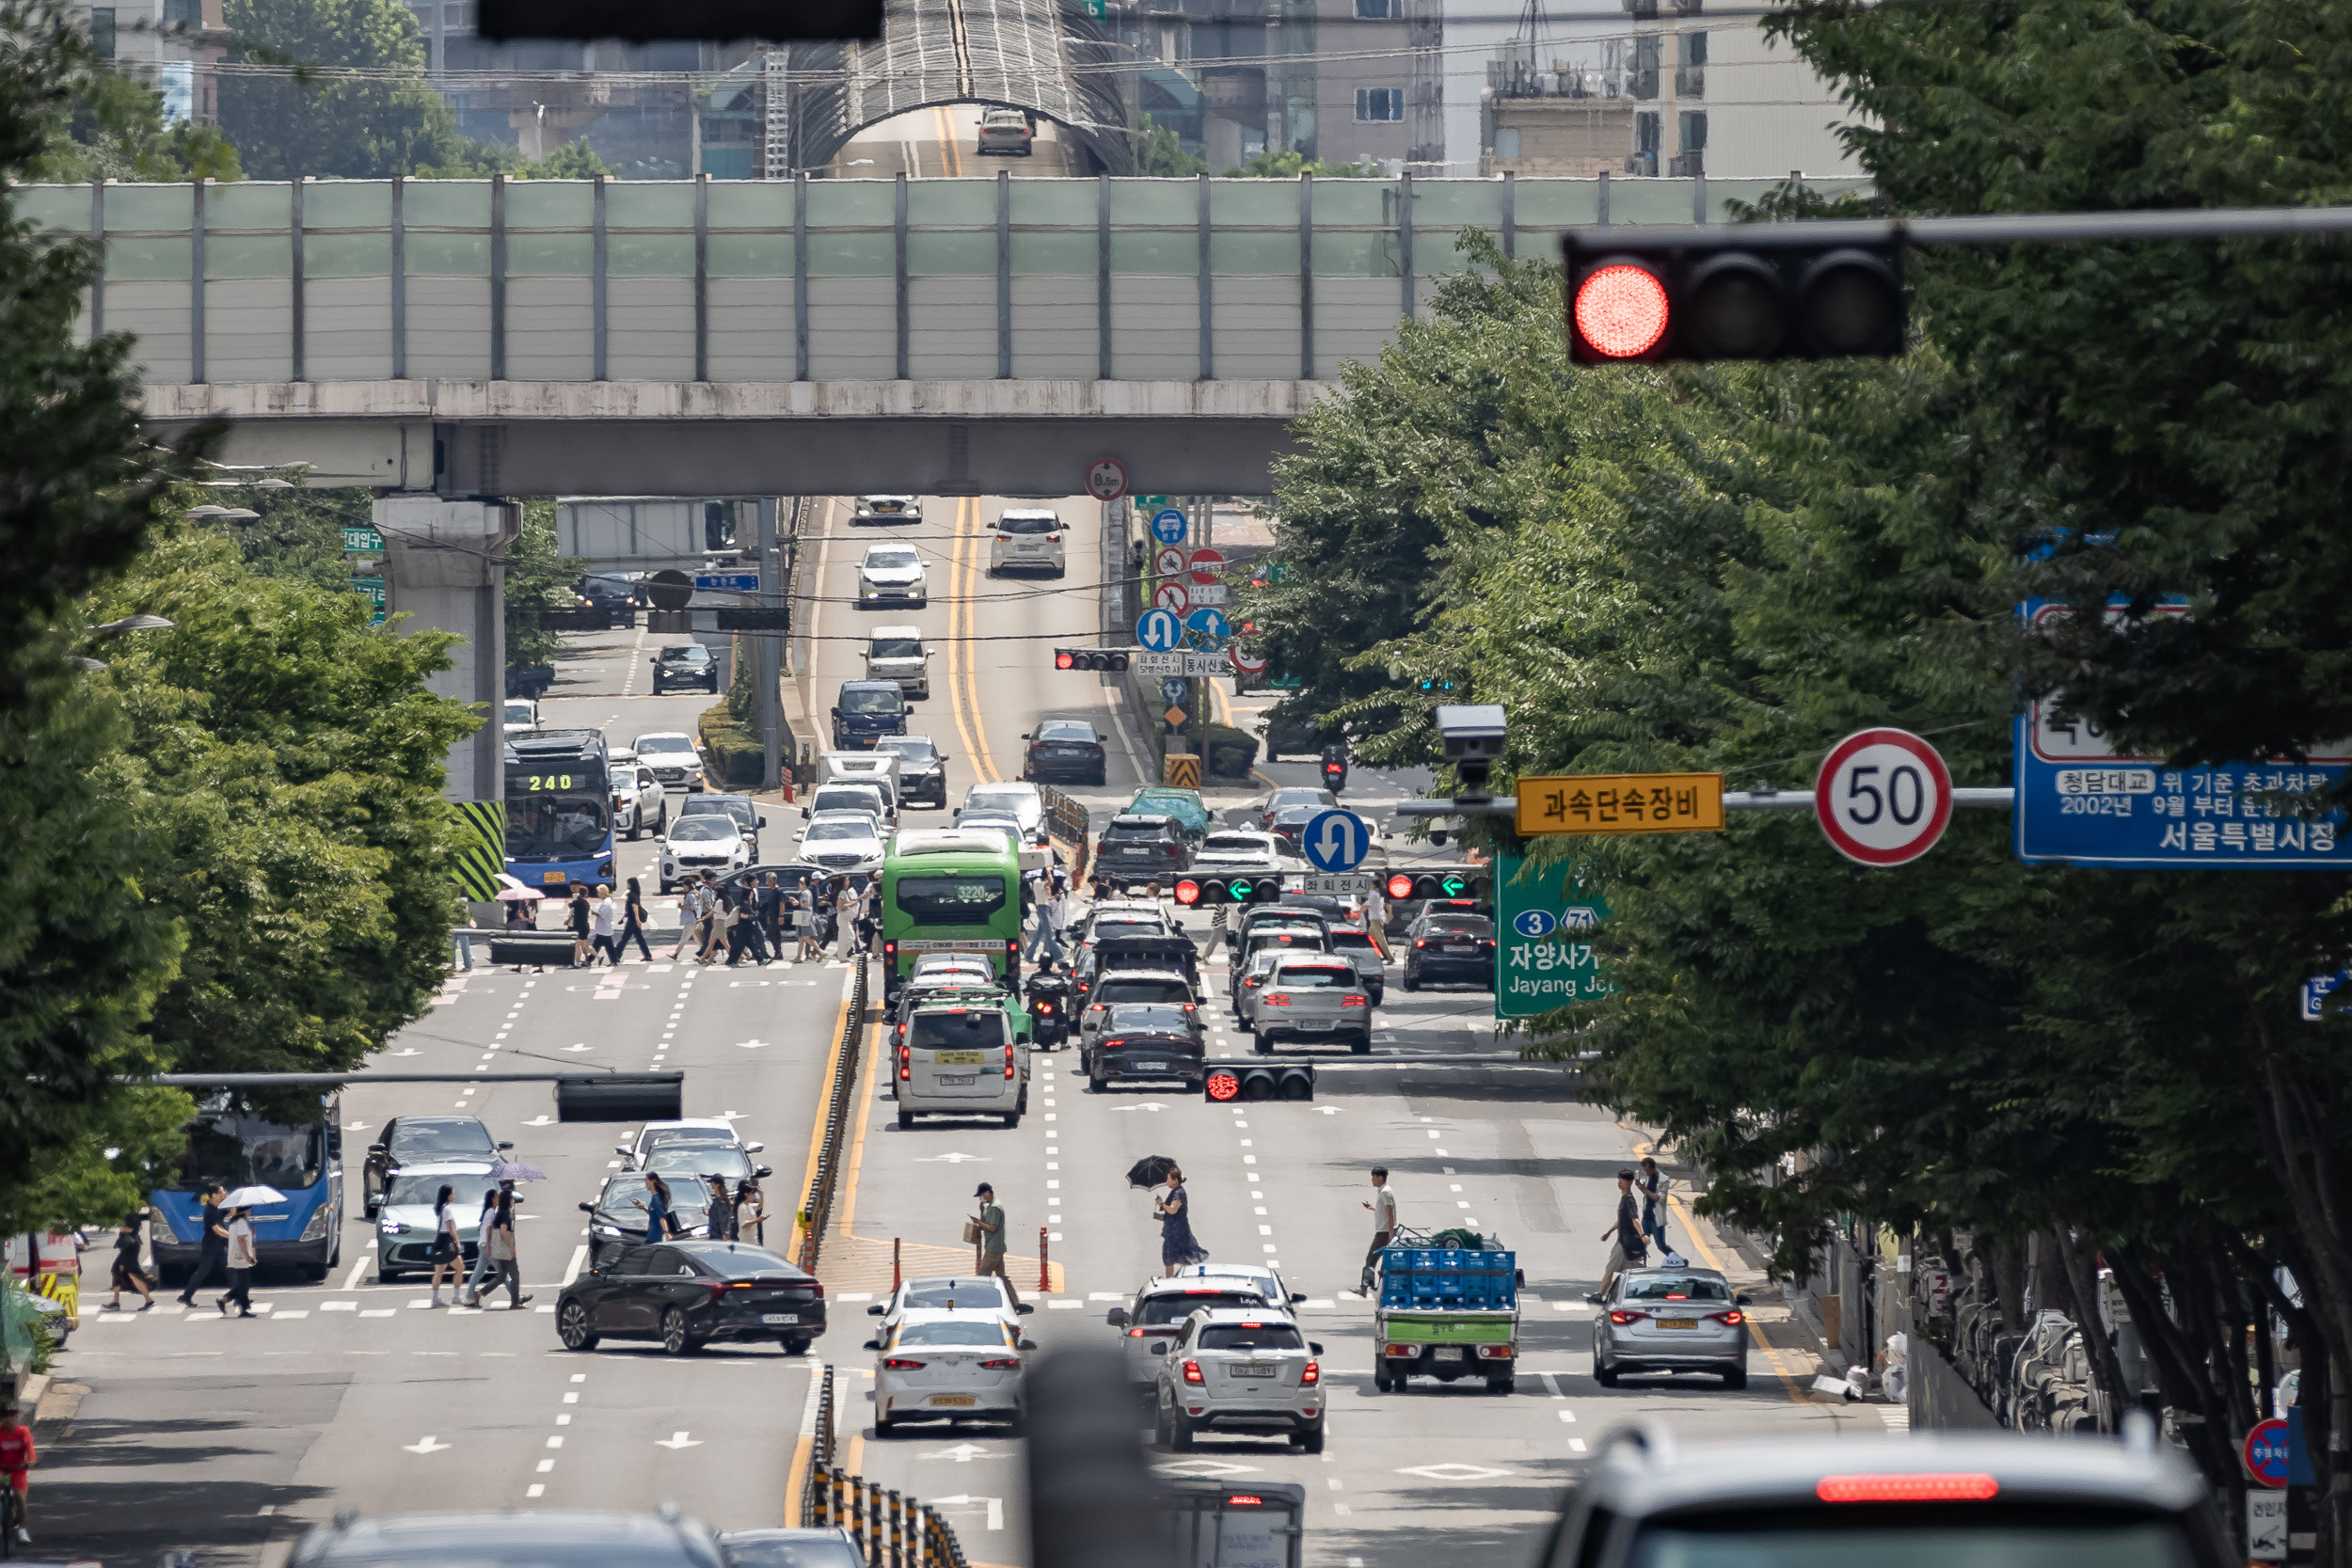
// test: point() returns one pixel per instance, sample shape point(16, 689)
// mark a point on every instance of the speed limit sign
point(1884, 797)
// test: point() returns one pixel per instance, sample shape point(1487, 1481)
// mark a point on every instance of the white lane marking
point(1069, 1306)
point(572, 1397)
point(580, 1377)
point(376, 1312)
point(351, 1282)
point(544, 1466)
point(427, 1446)
point(535, 1490)
point(1576, 1445)
point(282, 1316)
point(580, 1256)
point(558, 1442)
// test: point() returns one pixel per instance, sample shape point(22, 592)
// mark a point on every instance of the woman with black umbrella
point(1178, 1247)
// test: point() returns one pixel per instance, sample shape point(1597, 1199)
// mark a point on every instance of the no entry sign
point(1206, 564)
point(1884, 797)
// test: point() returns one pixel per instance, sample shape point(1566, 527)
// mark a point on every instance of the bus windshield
point(557, 811)
point(242, 1150)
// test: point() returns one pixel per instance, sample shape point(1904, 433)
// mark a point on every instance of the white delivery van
point(962, 1059)
point(897, 653)
point(879, 768)
point(865, 796)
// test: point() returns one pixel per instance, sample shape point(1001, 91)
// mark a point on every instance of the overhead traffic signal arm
point(1229, 1080)
point(1090, 658)
point(1743, 292)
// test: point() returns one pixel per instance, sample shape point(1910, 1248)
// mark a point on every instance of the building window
point(102, 30)
point(1378, 10)
point(1379, 103)
point(1694, 130)
point(1646, 133)
point(184, 13)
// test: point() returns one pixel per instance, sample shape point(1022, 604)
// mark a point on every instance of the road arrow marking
point(542, 1119)
point(963, 1454)
point(428, 1446)
point(729, 1117)
point(412, 1051)
point(1147, 1105)
point(951, 1159)
point(752, 1045)
point(577, 1048)
point(677, 1440)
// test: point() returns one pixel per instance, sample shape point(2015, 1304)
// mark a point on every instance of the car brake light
point(1622, 1316)
point(1495, 1352)
point(1400, 1349)
point(1192, 1373)
point(1136, 1333)
point(906, 1062)
point(1734, 1318)
point(1929, 1487)
point(1002, 1365)
point(1352, 1001)
point(1053, 538)
point(1008, 1061)
point(1420, 942)
point(896, 1364)
point(1275, 999)
point(1312, 1375)
point(1100, 1007)
point(1191, 1007)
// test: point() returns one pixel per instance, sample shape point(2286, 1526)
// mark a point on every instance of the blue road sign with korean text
point(1336, 841)
point(1159, 631)
point(727, 582)
point(2080, 803)
point(1169, 526)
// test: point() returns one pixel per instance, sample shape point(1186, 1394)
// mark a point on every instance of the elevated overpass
point(828, 337)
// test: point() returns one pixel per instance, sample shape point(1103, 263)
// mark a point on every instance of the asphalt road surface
point(232, 1436)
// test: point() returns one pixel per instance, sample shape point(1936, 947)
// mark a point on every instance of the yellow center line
point(1707, 1255)
point(861, 1109)
point(963, 622)
point(816, 1136)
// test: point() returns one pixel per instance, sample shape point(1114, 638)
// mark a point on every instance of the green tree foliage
point(476, 160)
point(538, 576)
point(118, 132)
point(1159, 151)
point(316, 121)
point(298, 534)
point(285, 762)
point(1287, 165)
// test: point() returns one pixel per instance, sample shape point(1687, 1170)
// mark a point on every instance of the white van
point(879, 768)
point(961, 1060)
point(897, 654)
point(866, 795)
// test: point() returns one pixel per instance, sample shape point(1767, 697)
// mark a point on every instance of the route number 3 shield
point(1884, 797)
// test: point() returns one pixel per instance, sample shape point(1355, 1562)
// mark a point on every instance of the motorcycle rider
point(1335, 767)
point(1048, 997)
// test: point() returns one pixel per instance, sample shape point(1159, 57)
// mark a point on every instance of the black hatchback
point(687, 664)
point(1447, 946)
point(1065, 749)
point(1148, 1040)
point(688, 1294)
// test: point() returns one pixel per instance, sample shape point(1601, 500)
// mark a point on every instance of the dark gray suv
point(687, 664)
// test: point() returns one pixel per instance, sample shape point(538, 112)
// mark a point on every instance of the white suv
point(1313, 996)
point(892, 574)
point(1235, 1369)
point(1029, 542)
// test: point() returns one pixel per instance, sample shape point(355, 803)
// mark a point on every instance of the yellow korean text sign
point(1623, 803)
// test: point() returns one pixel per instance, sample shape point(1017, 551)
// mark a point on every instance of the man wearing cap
point(1630, 1251)
point(988, 1257)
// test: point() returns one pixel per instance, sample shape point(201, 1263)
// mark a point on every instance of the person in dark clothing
point(769, 901)
point(214, 1258)
point(722, 1212)
point(576, 918)
point(633, 918)
point(126, 1274)
point(1631, 1251)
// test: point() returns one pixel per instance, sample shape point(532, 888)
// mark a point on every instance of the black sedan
point(1148, 1040)
point(1447, 944)
point(688, 1294)
point(685, 664)
point(1065, 749)
point(421, 1141)
point(619, 1215)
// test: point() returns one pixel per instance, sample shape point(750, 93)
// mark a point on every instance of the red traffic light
point(1065, 660)
point(1400, 886)
point(1621, 310)
point(1223, 1084)
point(1187, 892)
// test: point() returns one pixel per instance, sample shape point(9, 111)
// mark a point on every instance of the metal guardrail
point(817, 1212)
point(894, 1532)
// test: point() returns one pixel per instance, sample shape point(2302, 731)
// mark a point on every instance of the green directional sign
point(360, 539)
point(373, 589)
point(1544, 924)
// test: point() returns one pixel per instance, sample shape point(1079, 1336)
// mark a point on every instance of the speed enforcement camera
point(1473, 736)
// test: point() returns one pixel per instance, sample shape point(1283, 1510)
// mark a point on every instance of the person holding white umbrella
point(243, 1256)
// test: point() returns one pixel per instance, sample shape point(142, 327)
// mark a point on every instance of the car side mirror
point(1297, 1298)
point(1024, 735)
point(871, 1344)
point(1314, 1347)
point(763, 1172)
point(587, 1207)
point(1744, 1299)
point(763, 821)
point(1116, 1317)
point(1026, 1344)
point(375, 1148)
point(1157, 1347)
point(804, 813)
point(875, 1310)
point(506, 1145)
point(1024, 1310)
point(621, 1150)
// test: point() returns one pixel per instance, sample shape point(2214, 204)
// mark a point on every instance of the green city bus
point(947, 890)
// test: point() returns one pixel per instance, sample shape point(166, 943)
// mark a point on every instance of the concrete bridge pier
point(444, 567)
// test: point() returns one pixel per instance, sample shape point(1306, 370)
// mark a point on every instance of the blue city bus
point(559, 809)
point(293, 1143)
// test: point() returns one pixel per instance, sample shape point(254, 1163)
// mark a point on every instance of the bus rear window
point(956, 1031)
point(950, 900)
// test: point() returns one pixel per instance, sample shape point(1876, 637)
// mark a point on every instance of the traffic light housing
point(1759, 291)
point(1464, 886)
point(1208, 893)
point(1238, 1081)
point(716, 21)
point(1090, 659)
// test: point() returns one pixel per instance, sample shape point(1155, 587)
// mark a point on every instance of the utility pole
point(767, 648)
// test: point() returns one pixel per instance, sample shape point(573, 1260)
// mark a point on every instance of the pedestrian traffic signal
point(1758, 292)
point(1090, 659)
point(1466, 886)
point(1262, 1081)
point(1209, 892)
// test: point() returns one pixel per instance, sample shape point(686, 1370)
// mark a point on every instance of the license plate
point(1150, 1067)
point(957, 1080)
point(1313, 1025)
point(779, 1317)
point(1449, 1353)
point(1459, 947)
point(550, 876)
point(956, 1058)
point(1677, 1323)
point(1251, 1372)
point(958, 1401)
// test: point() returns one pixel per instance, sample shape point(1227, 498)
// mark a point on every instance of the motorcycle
point(1048, 998)
point(1334, 772)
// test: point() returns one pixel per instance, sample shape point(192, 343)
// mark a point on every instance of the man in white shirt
point(1383, 1206)
point(601, 915)
point(1376, 919)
